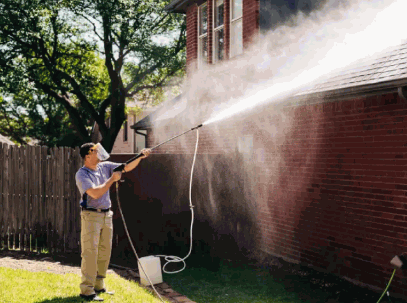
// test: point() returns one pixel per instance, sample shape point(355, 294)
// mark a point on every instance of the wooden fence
point(39, 198)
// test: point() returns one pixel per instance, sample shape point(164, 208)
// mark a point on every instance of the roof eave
point(142, 124)
point(351, 92)
point(177, 6)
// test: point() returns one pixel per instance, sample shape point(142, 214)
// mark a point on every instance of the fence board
point(60, 211)
point(17, 205)
point(43, 200)
point(66, 201)
point(50, 200)
point(30, 182)
point(77, 161)
point(30, 185)
point(25, 210)
point(6, 195)
point(2, 204)
point(21, 201)
point(26, 187)
point(34, 201)
point(13, 175)
point(69, 213)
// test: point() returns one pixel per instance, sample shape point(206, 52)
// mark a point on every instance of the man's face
point(92, 155)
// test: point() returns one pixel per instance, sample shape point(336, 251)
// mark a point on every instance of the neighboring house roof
point(386, 72)
point(166, 111)
point(180, 6)
point(6, 140)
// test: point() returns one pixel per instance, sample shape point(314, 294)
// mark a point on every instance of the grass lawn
point(233, 283)
point(21, 286)
point(239, 283)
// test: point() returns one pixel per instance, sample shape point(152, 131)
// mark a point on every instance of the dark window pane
point(219, 45)
point(203, 20)
point(219, 13)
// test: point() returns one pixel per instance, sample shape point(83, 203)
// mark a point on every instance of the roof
point(6, 140)
point(167, 110)
point(385, 72)
point(178, 6)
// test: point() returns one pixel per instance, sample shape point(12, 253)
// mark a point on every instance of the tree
point(73, 62)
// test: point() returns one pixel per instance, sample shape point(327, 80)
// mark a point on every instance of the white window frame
point(233, 21)
point(202, 37)
point(216, 29)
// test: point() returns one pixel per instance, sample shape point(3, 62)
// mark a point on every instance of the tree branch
point(93, 24)
point(72, 111)
point(140, 77)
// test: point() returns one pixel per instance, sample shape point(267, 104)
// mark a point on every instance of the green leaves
point(79, 59)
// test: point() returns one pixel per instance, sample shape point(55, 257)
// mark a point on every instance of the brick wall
point(339, 199)
point(324, 184)
point(251, 10)
point(120, 145)
point(226, 7)
point(210, 30)
point(192, 38)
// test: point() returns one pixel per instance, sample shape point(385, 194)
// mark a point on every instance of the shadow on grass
point(75, 299)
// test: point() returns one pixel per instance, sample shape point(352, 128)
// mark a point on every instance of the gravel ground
point(30, 262)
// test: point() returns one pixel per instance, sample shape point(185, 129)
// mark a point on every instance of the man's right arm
point(98, 191)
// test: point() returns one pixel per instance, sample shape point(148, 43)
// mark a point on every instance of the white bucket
point(152, 267)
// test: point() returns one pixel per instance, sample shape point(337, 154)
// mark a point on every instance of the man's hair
point(85, 149)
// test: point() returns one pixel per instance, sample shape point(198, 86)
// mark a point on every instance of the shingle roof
point(390, 66)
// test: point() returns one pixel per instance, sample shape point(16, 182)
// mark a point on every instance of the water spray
point(121, 167)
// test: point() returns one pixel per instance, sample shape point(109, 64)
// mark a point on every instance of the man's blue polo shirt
point(87, 178)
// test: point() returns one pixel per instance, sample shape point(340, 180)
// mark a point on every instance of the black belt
point(96, 210)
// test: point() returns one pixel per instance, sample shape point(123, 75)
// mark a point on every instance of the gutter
point(138, 132)
point(395, 86)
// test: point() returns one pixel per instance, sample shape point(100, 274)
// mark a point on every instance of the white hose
point(131, 243)
point(168, 259)
point(175, 259)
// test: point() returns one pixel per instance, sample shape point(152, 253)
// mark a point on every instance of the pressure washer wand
point(121, 167)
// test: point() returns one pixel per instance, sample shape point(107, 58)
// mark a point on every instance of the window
point(236, 28)
point(202, 35)
point(218, 53)
point(140, 141)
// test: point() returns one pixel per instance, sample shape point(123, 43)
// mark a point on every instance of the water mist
point(244, 170)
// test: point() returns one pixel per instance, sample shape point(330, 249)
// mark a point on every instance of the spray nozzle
point(200, 125)
point(102, 154)
point(399, 261)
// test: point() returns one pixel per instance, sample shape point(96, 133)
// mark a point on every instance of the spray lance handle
point(121, 166)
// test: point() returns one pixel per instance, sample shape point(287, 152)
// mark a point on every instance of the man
point(94, 180)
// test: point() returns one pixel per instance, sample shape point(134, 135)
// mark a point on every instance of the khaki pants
point(96, 242)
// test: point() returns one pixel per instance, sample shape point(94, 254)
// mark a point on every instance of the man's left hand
point(146, 152)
